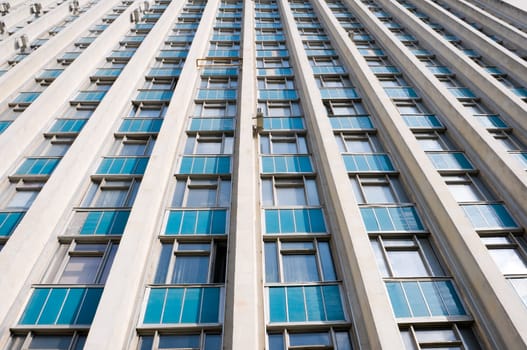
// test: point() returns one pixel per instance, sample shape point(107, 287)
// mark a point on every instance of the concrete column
point(372, 313)
point(487, 154)
point(31, 247)
point(493, 302)
point(125, 287)
point(488, 48)
point(244, 319)
point(514, 37)
point(29, 67)
point(515, 15)
point(497, 96)
point(15, 140)
point(36, 28)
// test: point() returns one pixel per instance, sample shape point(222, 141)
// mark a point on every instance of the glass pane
point(378, 194)
point(290, 196)
point(22, 199)
point(408, 340)
point(312, 193)
point(495, 240)
point(213, 342)
point(208, 147)
point(108, 264)
point(58, 149)
point(407, 264)
point(50, 342)
point(133, 149)
point(464, 192)
point(276, 342)
point(191, 269)
point(343, 341)
point(80, 270)
point(359, 146)
point(111, 198)
point(328, 269)
point(379, 257)
point(179, 341)
point(297, 245)
point(302, 339)
point(284, 147)
point(509, 261)
point(146, 343)
point(193, 246)
point(271, 262)
point(267, 192)
point(435, 335)
point(300, 268)
point(201, 197)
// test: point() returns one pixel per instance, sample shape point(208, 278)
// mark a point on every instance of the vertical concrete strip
point(373, 316)
point(244, 320)
point(125, 287)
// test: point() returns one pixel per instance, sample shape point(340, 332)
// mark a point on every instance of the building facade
point(264, 174)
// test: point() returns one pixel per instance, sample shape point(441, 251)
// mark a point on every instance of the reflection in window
point(298, 261)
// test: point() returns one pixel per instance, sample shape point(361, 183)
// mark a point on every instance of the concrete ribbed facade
point(268, 174)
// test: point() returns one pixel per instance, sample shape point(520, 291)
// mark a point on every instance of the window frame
point(166, 264)
point(273, 249)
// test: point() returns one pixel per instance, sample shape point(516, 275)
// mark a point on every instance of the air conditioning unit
point(146, 6)
point(4, 7)
point(35, 8)
point(21, 42)
point(74, 6)
point(259, 120)
point(2, 27)
point(135, 15)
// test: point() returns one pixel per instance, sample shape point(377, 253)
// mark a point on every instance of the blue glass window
point(401, 92)
point(48, 74)
point(339, 93)
point(424, 299)
point(285, 123)
point(146, 125)
point(488, 216)
point(205, 165)
point(279, 221)
point(26, 97)
point(450, 161)
point(4, 124)
point(283, 94)
point(305, 304)
point(286, 164)
point(154, 95)
point(123, 165)
point(197, 222)
point(109, 222)
point(424, 121)
point(61, 306)
point(217, 94)
point(68, 125)
point(351, 122)
point(108, 72)
point(9, 221)
point(386, 219)
point(204, 124)
point(461, 92)
point(164, 72)
point(89, 96)
point(38, 166)
point(183, 305)
point(367, 162)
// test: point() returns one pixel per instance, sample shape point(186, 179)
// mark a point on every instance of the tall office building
point(263, 174)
